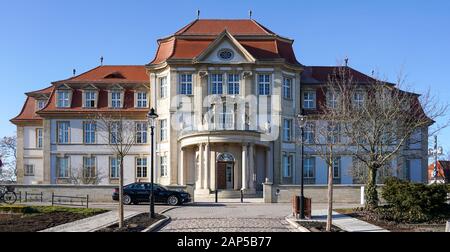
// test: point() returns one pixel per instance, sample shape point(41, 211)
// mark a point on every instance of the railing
point(32, 197)
point(70, 200)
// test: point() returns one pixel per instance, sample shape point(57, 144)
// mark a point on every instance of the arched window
point(225, 157)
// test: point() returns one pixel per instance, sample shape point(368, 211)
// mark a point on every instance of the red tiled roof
point(443, 170)
point(321, 74)
point(102, 74)
point(28, 112)
point(217, 26)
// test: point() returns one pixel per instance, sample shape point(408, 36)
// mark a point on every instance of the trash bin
point(308, 208)
point(295, 206)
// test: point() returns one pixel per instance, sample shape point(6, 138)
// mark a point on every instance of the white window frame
point(163, 87)
point(309, 99)
point(309, 133)
point(288, 129)
point(141, 99)
point(287, 88)
point(90, 99)
point(288, 164)
point(39, 138)
point(141, 129)
point(358, 99)
point(163, 166)
point(114, 163)
point(114, 132)
point(332, 99)
point(337, 167)
point(264, 84)
point(233, 84)
point(89, 132)
point(163, 130)
point(40, 104)
point(89, 167)
point(116, 99)
point(334, 133)
point(185, 85)
point(63, 99)
point(63, 134)
point(216, 86)
point(309, 168)
point(60, 174)
point(141, 167)
point(28, 170)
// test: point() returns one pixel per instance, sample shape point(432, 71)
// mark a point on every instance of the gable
point(225, 47)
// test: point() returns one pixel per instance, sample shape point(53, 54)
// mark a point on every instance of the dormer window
point(141, 99)
point(63, 98)
point(116, 101)
point(40, 104)
point(90, 99)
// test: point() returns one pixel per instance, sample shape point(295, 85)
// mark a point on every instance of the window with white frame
point(224, 120)
point(141, 167)
point(89, 167)
point(114, 168)
point(264, 84)
point(90, 99)
point(309, 99)
point(142, 101)
point(29, 170)
point(114, 133)
point(163, 166)
point(233, 84)
point(336, 168)
point(309, 167)
point(332, 99)
point(185, 87)
point(163, 133)
point(287, 88)
point(62, 133)
point(358, 99)
point(141, 132)
point(116, 99)
point(309, 132)
point(89, 129)
point(163, 87)
point(63, 167)
point(41, 104)
point(63, 98)
point(39, 138)
point(288, 163)
point(334, 133)
point(216, 84)
point(287, 130)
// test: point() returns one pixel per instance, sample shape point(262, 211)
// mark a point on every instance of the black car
point(140, 192)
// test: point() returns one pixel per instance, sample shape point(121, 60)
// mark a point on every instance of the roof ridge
point(186, 27)
point(269, 32)
point(76, 76)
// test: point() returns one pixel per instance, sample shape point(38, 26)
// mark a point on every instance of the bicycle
point(8, 195)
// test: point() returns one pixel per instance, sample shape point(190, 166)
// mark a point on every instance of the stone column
point(198, 172)
point(269, 167)
point(251, 166)
point(181, 171)
point(244, 167)
point(207, 167)
point(213, 171)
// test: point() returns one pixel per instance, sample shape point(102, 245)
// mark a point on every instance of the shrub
point(413, 202)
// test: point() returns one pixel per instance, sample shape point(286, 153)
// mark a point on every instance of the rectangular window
point(185, 84)
point(40, 104)
point(309, 99)
point(114, 167)
point(63, 98)
point(141, 167)
point(334, 133)
point(163, 166)
point(358, 99)
point(287, 130)
point(89, 129)
point(142, 101)
point(62, 167)
point(287, 88)
point(309, 133)
point(116, 101)
point(141, 132)
point(332, 99)
point(264, 84)
point(114, 133)
point(39, 138)
point(216, 85)
point(337, 168)
point(89, 167)
point(288, 160)
point(29, 170)
point(309, 168)
point(63, 132)
point(225, 120)
point(233, 84)
point(163, 130)
point(89, 99)
point(163, 87)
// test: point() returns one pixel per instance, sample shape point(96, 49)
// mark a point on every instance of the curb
point(296, 225)
point(157, 225)
point(112, 223)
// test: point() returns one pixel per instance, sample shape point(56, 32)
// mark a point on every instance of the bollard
point(447, 226)
point(53, 198)
point(242, 196)
point(217, 196)
point(26, 196)
point(87, 201)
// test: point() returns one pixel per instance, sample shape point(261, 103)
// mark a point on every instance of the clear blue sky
point(42, 41)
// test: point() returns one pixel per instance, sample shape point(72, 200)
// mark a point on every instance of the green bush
point(413, 202)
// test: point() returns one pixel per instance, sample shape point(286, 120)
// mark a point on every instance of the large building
point(227, 93)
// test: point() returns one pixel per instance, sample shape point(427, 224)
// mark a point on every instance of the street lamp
point(302, 124)
point(152, 116)
point(435, 152)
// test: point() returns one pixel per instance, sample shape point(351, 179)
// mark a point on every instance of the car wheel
point(126, 200)
point(173, 200)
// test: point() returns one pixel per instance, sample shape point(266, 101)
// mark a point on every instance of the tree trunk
point(121, 217)
point(330, 198)
point(371, 193)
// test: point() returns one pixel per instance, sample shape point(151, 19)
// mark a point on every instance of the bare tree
point(379, 119)
point(119, 133)
point(83, 176)
point(8, 150)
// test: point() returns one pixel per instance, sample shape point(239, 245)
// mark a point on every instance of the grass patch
point(22, 209)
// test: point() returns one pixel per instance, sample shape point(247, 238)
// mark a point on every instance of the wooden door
point(221, 176)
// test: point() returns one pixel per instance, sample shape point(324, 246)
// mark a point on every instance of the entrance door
point(225, 175)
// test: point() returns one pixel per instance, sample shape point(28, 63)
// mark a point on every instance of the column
point(181, 170)
point(206, 168)
point(198, 172)
point(251, 162)
point(212, 170)
point(269, 167)
point(244, 167)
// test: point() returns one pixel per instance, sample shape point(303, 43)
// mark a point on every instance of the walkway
point(347, 223)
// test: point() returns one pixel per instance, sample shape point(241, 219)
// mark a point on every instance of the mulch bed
point(137, 223)
point(10, 222)
point(315, 226)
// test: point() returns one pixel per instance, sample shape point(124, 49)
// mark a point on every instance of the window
point(114, 133)
point(216, 86)
point(163, 166)
point(332, 99)
point(39, 138)
point(114, 167)
point(264, 84)
point(309, 168)
point(163, 130)
point(334, 133)
point(116, 101)
point(336, 168)
point(89, 99)
point(309, 99)
point(63, 132)
point(40, 104)
point(62, 167)
point(287, 130)
point(163, 87)
point(63, 98)
point(89, 167)
point(29, 170)
point(358, 99)
point(141, 133)
point(225, 120)
point(141, 100)
point(287, 88)
point(288, 160)
point(89, 129)
point(226, 54)
point(233, 84)
point(141, 167)
point(309, 133)
point(185, 84)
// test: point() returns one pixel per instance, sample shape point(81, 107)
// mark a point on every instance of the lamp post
point(152, 116)
point(302, 124)
point(435, 152)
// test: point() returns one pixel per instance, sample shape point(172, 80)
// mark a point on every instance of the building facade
point(227, 93)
